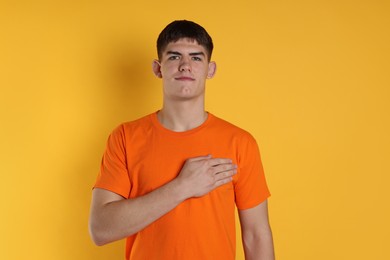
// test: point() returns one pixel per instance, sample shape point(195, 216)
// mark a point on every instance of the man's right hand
point(114, 217)
point(200, 175)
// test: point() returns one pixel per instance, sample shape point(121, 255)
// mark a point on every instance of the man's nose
point(185, 65)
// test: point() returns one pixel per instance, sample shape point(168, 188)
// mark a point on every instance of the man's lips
point(185, 78)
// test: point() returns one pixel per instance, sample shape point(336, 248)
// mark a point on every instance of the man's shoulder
point(229, 127)
point(218, 121)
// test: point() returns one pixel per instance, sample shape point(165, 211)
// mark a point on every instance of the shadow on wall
point(131, 81)
point(127, 90)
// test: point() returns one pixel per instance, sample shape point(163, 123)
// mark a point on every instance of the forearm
point(113, 217)
point(259, 247)
point(122, 218)
point(256, 233)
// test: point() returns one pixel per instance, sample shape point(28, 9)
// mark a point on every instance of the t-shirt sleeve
point(113, 175)
point(250, 188)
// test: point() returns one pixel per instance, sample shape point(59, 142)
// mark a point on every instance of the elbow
point(98, 240)
point(98, 236)
point(102, 234)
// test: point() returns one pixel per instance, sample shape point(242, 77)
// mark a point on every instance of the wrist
point(179, 190)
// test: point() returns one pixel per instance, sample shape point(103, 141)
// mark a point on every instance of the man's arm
point(114, 217)
point(256, 233)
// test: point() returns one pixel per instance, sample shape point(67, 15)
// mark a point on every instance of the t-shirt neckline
point(165, 130)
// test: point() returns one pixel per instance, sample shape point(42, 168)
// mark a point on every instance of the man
point(170, 181)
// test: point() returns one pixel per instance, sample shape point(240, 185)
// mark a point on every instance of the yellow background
point(309, 79)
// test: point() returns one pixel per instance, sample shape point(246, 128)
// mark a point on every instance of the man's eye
point(196, 58)
point(173, 58)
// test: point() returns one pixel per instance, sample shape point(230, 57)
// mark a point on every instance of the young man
point(170, 181)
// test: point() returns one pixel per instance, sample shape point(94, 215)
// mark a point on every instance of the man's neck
point(182, 116)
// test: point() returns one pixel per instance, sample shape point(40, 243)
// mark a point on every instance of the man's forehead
point(185, 44)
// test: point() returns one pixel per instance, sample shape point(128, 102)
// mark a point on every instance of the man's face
point(184, 68)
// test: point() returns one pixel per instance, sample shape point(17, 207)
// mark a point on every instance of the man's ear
point(212, 69)
point(157, 68)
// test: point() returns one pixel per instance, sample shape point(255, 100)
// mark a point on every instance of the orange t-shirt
point(142, 155)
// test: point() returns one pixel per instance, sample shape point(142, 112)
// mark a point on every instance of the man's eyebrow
point(174, 52)
point(201, 53)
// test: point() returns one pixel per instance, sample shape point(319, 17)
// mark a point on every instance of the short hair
point(184, 29)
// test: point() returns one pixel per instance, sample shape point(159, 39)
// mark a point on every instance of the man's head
point(184, 29)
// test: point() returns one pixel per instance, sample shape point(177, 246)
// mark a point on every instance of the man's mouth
point(185, 78)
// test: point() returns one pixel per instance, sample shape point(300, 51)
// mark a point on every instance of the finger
point(218, 161)
point(223, 181)
point(225, 175)
point(199, 158)
point(223, 168)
